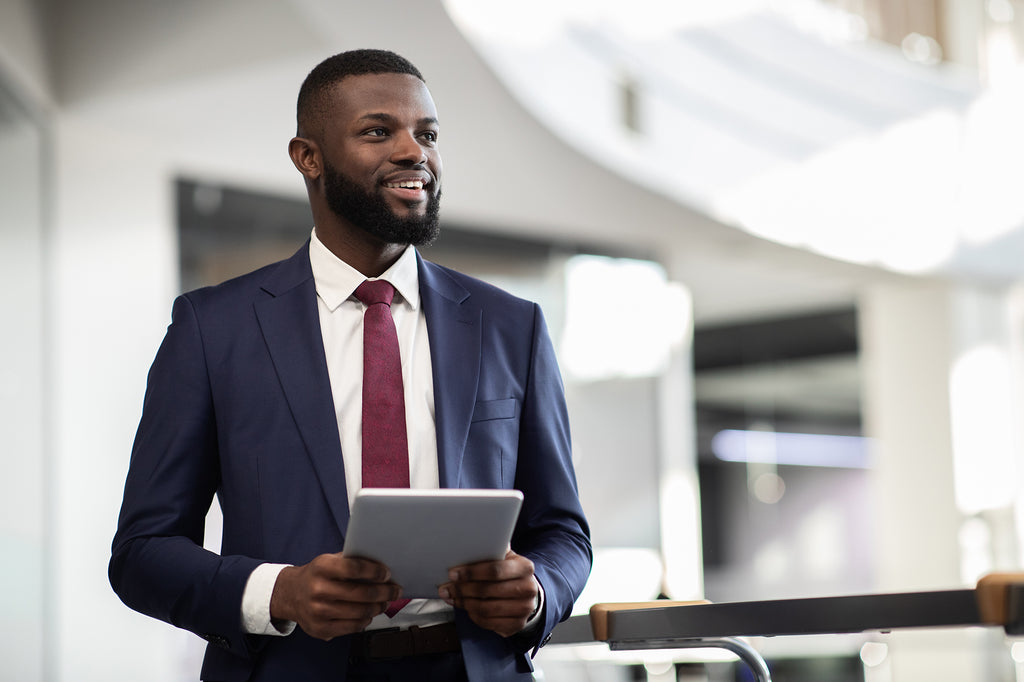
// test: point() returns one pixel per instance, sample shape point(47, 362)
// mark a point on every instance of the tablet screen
point(420, 534)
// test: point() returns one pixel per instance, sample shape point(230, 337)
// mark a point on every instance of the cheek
point(359, 162)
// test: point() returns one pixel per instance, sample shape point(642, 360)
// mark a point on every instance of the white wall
point(114, 265)
point(23, 492)
point(24, 93)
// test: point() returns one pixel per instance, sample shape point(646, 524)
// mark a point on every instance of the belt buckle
point(388, 644)
point(394, 643)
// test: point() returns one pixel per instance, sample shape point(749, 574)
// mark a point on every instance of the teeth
point(406, 184)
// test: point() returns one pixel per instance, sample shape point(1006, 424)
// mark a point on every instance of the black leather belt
point(380, 645)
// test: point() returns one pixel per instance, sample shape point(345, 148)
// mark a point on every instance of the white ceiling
point(838, 146)
point(214, 98)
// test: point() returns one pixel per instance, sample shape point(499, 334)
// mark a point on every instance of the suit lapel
point(290, 324)
point(453, 327)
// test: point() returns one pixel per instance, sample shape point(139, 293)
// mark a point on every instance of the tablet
point(420, 534)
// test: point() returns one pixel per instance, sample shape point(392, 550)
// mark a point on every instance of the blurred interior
point(822, 398)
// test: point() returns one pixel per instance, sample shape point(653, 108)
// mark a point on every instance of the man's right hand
point(332, 595)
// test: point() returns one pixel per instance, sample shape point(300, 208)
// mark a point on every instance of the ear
point(306, 156)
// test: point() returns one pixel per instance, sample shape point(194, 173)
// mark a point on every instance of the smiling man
point(257, 395)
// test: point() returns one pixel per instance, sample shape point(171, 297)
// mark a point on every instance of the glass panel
point(22, 344)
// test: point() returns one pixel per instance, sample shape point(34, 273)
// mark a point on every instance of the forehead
point(398, 95)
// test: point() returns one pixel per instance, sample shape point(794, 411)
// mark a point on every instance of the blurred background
point(821, 394)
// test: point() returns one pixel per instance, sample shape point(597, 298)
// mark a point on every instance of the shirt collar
point(336, 280)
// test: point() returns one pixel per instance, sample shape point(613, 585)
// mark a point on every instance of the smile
point(405, 184)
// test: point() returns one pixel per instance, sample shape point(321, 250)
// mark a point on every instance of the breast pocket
point(490, 459)
point(486, 410)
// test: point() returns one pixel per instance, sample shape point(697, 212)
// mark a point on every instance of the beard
point(371, 213)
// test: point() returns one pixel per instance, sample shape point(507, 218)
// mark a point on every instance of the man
point(256, 395)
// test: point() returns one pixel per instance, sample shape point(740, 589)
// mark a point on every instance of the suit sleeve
point(552, 530)
point(158, 565)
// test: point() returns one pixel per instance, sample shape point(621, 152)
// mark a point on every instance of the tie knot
point(376, 291)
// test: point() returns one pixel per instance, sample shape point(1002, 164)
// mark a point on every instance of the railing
point(998, 600)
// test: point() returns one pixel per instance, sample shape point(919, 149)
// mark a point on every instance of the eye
point(376, 132)
point(430, 135)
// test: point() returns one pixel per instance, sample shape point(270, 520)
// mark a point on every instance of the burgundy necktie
point(385, 440)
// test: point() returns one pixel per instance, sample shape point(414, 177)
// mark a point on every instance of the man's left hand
point(497, 595)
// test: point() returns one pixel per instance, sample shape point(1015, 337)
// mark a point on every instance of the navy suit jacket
point(238, 404)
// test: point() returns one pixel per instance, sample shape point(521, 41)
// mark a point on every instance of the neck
point(368, 255)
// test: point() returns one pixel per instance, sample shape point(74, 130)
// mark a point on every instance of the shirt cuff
point(256, 603)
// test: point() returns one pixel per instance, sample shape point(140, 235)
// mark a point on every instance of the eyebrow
point(388, 118)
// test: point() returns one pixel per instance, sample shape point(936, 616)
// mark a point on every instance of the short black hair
point(312, 102)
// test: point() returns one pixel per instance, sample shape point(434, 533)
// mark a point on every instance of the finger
point(360, 592)
point(328, 619)
point(520, 589)
point(340, 567)
point(512, 567)
point(329, 629)
point(329, 611)
point(499, 608)
point(329, 588)
point(359, 568)
point(509, 556)
point(504, 627)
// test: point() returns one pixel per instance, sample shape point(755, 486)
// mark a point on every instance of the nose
point(407, 149)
